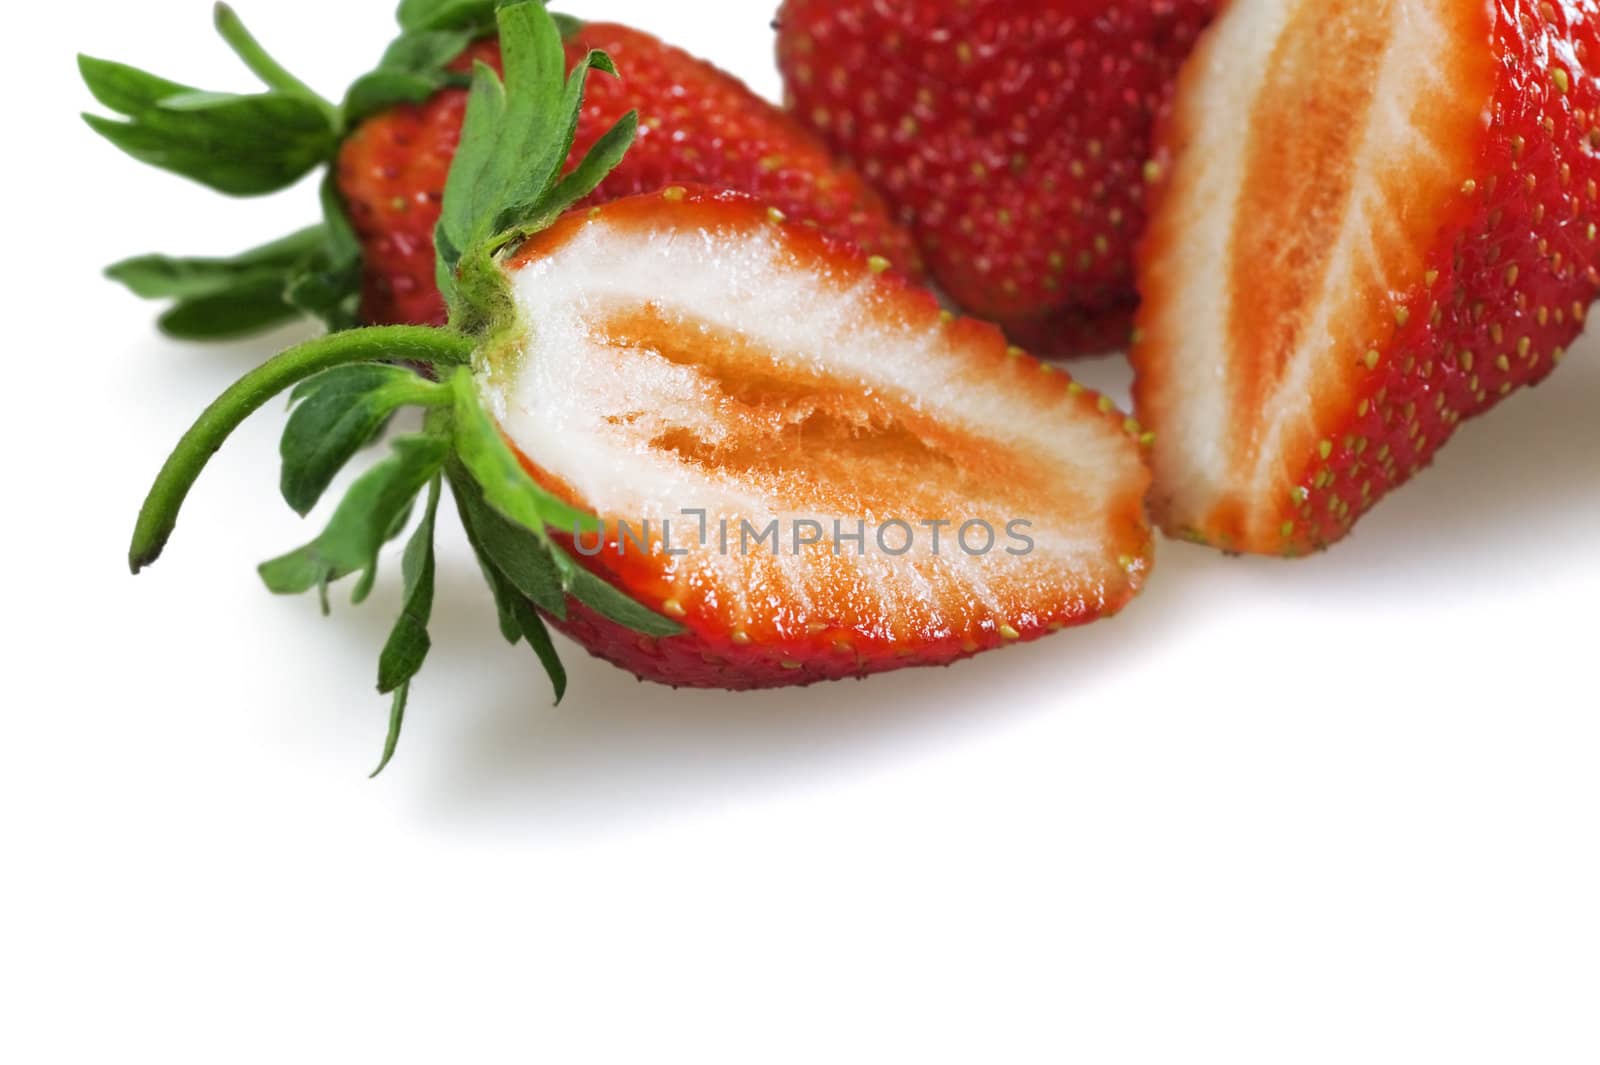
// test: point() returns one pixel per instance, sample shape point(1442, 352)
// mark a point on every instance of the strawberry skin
point(697, 125)
point(1010, 135)
point(758, 369)
point(1359, 248)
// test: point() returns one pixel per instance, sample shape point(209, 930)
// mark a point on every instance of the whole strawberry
point(1378, 222)
point(1011, 135)
point(390, 142)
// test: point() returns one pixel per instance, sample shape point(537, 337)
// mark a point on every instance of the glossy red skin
point(698, 125)
point(780, 652)
point(1517, 266)
point(1010, 135)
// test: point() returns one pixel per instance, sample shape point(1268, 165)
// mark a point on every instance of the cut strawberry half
point(694, 353)
point(1377, 220)
point(858, 480)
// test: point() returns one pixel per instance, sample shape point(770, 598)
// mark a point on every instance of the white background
point(1338, 810)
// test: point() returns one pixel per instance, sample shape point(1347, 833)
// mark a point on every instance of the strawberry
point(1377, 222)
point(390, 145)
point(697, 125)
point(1010, 135)
point(794, 378)
point(714, 446)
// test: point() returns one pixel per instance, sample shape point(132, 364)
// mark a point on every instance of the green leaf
point(371, 514)
point(397, 718)
point(415, 15)
point(605, 600)
point(124, 89)
point(529, 208)
point(526, 512)
point(505, 596)
point(413, 69)
point(519, 555)
point(243, 311)
point(328, 284)
point(506, 485)
point(239, 145)
point(533, 630)
point(408, 643)
point(336, 414)
point(474, 15)
point(518, 619)
point(602, 158)
point(262, 65)
point(169, 277)
point(512, 149)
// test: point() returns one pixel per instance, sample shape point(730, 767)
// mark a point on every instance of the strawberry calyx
point(505, 185)
point(249, 145)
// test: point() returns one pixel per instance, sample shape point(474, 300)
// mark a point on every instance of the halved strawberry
point(1378, 220)
point(694, 351)
point(857, 480)
point(1010, 135)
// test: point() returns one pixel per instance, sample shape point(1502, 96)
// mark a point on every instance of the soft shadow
point(620, 752)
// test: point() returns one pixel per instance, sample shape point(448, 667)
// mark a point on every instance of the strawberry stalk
point(505, 185)
point(159, 515)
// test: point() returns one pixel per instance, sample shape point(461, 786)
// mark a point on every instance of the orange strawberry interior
point(1322, 148)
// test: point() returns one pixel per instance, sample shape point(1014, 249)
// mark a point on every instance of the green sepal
point(397, 718)
point(408, 643)
point(242, 145)
point(167, 277)
point(327, 284)
point(609, 602)
point(225, 298)
point(336, 414)
point(473, 15)
point(422, 15)
point(413, 68)
point(506, 486)
point(233, 315)
point(272, 73)
point(515, 141)
point(519, 555)
point(513, 559)
point(372, 513)
point(533, 630)
point(519, 542)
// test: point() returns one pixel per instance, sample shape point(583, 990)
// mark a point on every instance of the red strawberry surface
point(1011, 135)
point(698, 125)
point(762, 372)
point(1380, 221)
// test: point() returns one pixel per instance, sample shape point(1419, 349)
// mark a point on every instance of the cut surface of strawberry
point(693, 352)
point(1376, 220)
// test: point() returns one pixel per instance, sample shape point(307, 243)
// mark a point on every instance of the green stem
point(263, 66)
point(159, 514)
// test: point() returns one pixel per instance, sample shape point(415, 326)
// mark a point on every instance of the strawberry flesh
point(694, 351)
point(1378, 221)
